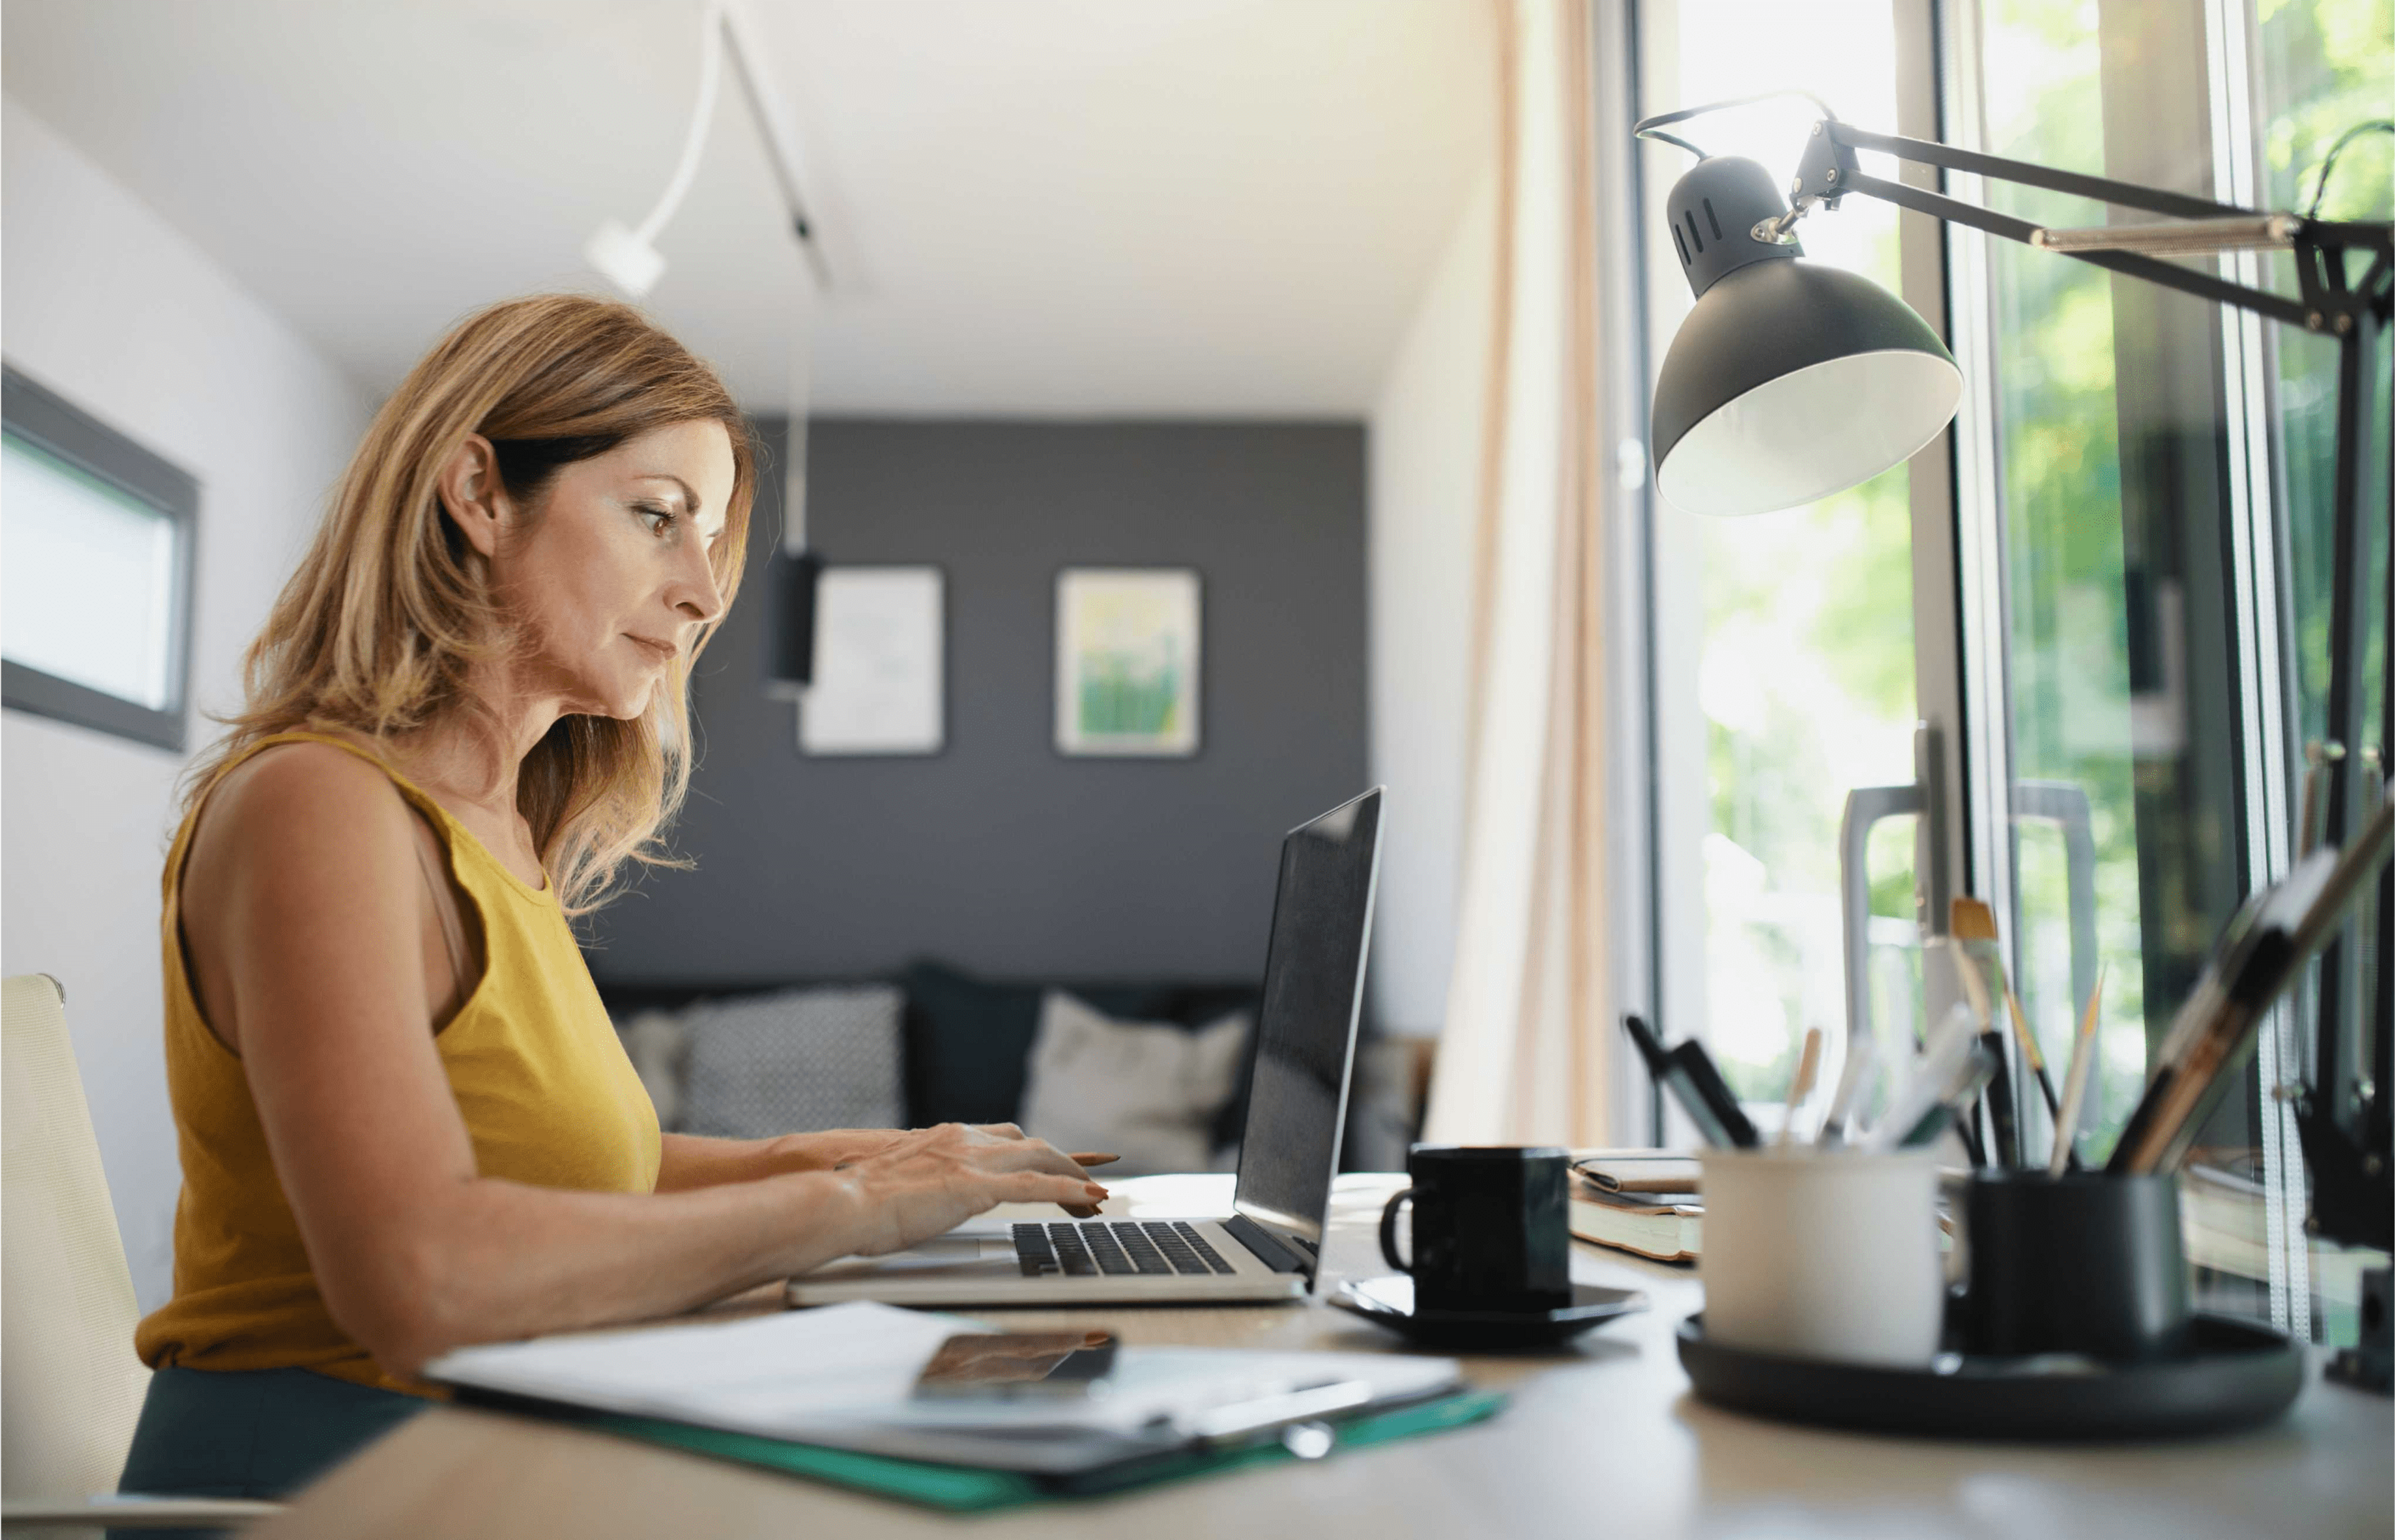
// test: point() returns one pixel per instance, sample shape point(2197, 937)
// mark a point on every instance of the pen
point(1650, 1048)
point(1977, 1068)
point(1668, 1076)
point(1695, 1068)
point(1683, 1071)
point(1934, 1080)
point(1863, 1053)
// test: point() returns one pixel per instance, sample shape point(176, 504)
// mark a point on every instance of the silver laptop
point(1265, 1248)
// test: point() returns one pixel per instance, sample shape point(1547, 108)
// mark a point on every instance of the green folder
point(964, 1488)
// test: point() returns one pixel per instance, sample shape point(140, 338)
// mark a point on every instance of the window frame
point(52, 423)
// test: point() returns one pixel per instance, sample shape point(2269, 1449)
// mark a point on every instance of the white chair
point(69, 1385)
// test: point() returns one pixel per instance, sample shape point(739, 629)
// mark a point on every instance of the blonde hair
point(375, 631)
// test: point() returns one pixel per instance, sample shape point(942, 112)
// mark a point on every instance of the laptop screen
point(1305, 1030)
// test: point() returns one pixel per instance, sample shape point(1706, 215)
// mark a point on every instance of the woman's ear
point(472, 496)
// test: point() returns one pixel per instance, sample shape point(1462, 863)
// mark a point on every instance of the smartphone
point(1015, 1366)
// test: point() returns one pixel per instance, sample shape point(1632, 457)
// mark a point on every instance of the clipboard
point(830, 1394)
point(967, 1489)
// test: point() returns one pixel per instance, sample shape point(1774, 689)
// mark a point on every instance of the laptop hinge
point(1273, 1251)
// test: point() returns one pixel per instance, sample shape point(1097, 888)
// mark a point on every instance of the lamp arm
point(2329, 302)
point(2277, 307)
point(2154, 200)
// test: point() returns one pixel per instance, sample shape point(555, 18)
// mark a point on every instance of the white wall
point(116, 311)
point(1422, 509)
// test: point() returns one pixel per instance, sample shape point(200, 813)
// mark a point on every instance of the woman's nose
point(695, 594)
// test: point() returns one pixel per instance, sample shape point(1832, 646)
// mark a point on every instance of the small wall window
point(99, 533)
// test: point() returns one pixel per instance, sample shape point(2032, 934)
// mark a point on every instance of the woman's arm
point(694, 1161)
point(303, 887)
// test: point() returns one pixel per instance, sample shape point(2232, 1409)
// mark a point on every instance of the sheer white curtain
point(1523, 1056)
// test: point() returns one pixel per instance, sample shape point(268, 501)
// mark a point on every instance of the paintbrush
point(1808, 1064)
point(1972, 923)
point(2075, 1082)
point(1975, 927)
point(1972, 957)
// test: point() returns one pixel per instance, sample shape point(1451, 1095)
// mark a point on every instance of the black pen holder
point(2086, 1262)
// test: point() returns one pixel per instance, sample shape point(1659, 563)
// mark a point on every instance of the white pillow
point(658, 1043)
point(1145, 1091)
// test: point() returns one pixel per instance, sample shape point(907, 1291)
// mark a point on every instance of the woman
point(405, 1123)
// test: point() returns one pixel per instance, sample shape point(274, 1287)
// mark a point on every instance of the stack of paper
point(843, 1376)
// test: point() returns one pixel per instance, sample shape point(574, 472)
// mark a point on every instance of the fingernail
point(1096, 1191)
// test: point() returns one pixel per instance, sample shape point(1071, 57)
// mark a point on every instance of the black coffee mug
point(1492, 1227)
point(2086, 1262)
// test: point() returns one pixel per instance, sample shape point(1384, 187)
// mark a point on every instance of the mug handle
point(1389, 1231)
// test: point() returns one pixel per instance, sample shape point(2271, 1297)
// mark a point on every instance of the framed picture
point(879, 687)
point(1126, 661)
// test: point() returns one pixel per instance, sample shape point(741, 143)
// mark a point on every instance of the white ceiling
point(1073, 208)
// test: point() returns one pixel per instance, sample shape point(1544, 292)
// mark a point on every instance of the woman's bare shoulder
point(311, 802)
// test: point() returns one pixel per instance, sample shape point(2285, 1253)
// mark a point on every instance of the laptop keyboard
point(1114, 1246)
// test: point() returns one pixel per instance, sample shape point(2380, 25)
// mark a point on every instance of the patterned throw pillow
point(792, 1062)
point(1145, 1091)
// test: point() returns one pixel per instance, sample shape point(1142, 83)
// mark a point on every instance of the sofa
point(1155, 1069)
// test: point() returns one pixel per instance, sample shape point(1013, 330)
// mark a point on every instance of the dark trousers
point(260, 1433)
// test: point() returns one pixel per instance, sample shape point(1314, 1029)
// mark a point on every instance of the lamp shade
point(1788, 380)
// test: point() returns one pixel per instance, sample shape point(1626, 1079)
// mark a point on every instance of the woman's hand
point(834, 1148)
point(928, 1181)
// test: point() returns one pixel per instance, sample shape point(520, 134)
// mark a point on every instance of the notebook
point(1652, 1226)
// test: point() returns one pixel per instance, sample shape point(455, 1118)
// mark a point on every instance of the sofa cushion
point(969, 1040)
point(1146, 1091)
point(793, 1061)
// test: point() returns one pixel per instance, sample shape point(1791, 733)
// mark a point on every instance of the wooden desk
point(1604, 1439)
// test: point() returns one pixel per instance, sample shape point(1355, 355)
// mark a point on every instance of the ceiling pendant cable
point(629, 257)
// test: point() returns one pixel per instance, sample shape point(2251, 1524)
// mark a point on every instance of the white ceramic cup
point(1823, 1255)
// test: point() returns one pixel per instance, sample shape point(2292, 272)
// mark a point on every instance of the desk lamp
point(1789, 381)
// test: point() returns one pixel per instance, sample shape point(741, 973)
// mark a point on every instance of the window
point(2160, 486)
point(99, 535)
point(1784, 655)
point(2106, 594)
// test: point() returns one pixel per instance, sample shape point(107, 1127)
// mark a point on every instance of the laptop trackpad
point(945, 1253)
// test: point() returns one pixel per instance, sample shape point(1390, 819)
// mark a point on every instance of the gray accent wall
point(999, 855)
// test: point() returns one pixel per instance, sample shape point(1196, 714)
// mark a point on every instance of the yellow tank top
point(547, 1092)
